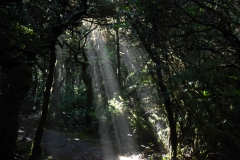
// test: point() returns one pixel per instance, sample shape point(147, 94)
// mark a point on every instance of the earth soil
point(59, 146)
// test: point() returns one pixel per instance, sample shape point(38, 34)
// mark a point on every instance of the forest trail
point(62, 147)
point(59, 146)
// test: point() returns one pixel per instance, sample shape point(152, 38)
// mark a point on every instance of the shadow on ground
point(57, 145)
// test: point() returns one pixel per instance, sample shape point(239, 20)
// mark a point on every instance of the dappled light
point(120, 127)
point(132, 157)
point(119, 80)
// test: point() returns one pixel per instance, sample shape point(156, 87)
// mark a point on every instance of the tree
point(55, 31)
point(187, 40)
point(27, 34)
point(18, 50)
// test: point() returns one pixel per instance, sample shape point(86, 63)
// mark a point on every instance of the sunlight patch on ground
point(132, 157)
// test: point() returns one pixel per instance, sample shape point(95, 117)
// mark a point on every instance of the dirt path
point(59, 146)
point(62, 147)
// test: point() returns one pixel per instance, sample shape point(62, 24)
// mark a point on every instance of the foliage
point(187, 78)
point(188, 39)
point(73, 111)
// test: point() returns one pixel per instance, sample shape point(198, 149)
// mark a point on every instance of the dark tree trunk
point(34, 88)
point(55, 99)
point(69, 85)
point(15, 84)
point(36, 145)
point(56, 31)
point(28, 107)
point(163, 89)
point(87, 79)
point(56, 89)
point(168, 107)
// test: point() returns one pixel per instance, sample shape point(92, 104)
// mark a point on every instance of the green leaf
point(205, 93)
point(115, 26)
point(233, 77)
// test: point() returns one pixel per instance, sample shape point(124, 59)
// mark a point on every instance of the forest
point(154, 79)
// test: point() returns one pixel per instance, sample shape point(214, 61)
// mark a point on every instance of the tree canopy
point(165, 70)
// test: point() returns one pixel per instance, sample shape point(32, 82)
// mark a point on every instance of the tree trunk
point(164, 91)
point(87, 79)
point(15, 84)
point(55, 99)
point(120, 84)
point(36, 145)
point(69, 86)
point(168, 107)
point(56, 88)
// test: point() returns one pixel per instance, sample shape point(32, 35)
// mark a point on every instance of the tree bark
point(56, 88)
point(36, 145)
point(56, 31)
point(163, 90)
point(168, 107)
point(87, 79)
point(118, 58)
point(15, 84)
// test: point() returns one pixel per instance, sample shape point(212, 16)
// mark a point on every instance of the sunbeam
point(107, 82)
